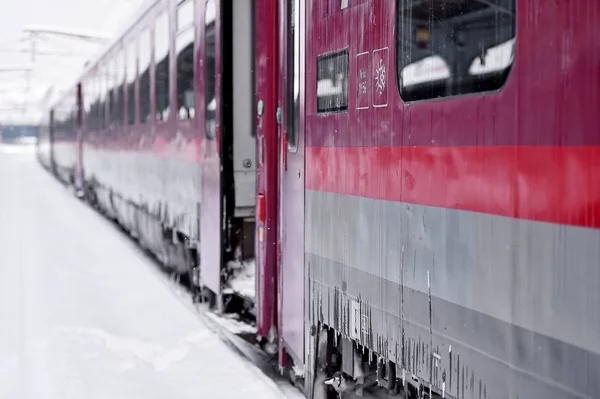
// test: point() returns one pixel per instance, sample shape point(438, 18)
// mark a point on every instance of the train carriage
point(160, 134)
point(452, 226)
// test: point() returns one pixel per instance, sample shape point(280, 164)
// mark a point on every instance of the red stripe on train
point(551, 184)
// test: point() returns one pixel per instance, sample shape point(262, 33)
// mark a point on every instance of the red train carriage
point(161, 130)
point(290, 244)
point(452, 200)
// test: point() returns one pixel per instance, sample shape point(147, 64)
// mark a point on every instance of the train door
point(266, 83)
point(210, 209)
point(291, 184)
point(238, 154)
point(229, 171)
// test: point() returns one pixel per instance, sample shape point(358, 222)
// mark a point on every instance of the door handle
point(261, 144)
point(284, 149)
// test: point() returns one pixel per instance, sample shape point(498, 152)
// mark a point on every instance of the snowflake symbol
point(380, 77)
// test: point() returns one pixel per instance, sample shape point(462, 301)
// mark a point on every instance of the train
point(403, 195)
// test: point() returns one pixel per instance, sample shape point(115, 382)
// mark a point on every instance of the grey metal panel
point(244, 143)
point(462, 352)
point(539, 276)
point(245, 193)
point(168, 189)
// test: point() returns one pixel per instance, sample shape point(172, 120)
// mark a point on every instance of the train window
point(120, 74)
point(184, 47)
point(210, 70)
point(95, 101)
point(96, 104)
point(105, 98)
point(66, 118)
point(332, 82)
point(453, 47)
point(131, 76)
point(144, 79)
point(293, 87)
point(111, 92)
point(91, 93)
point(185, 15)
point(330, 7)
point(86, 101)
point(99, 98)
point(70, 119)
point(74, 117)
point(161, 60)
point(102, 90)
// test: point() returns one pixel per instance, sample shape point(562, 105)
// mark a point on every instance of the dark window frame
point(162, 70)
point(184, 30)
point(210, 122)
point(119, 90)
point(341, 53)
point(293, 78)
point(451, 86)
point(131, 81)
point(145, 42)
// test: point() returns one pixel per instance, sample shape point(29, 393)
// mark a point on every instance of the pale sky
point(102, 16)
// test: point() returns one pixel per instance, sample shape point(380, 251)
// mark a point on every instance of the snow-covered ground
point(84, 314)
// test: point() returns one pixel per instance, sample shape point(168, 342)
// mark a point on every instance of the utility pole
point(35, 33)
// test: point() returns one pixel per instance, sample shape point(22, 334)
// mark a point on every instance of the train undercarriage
point(345, 369)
